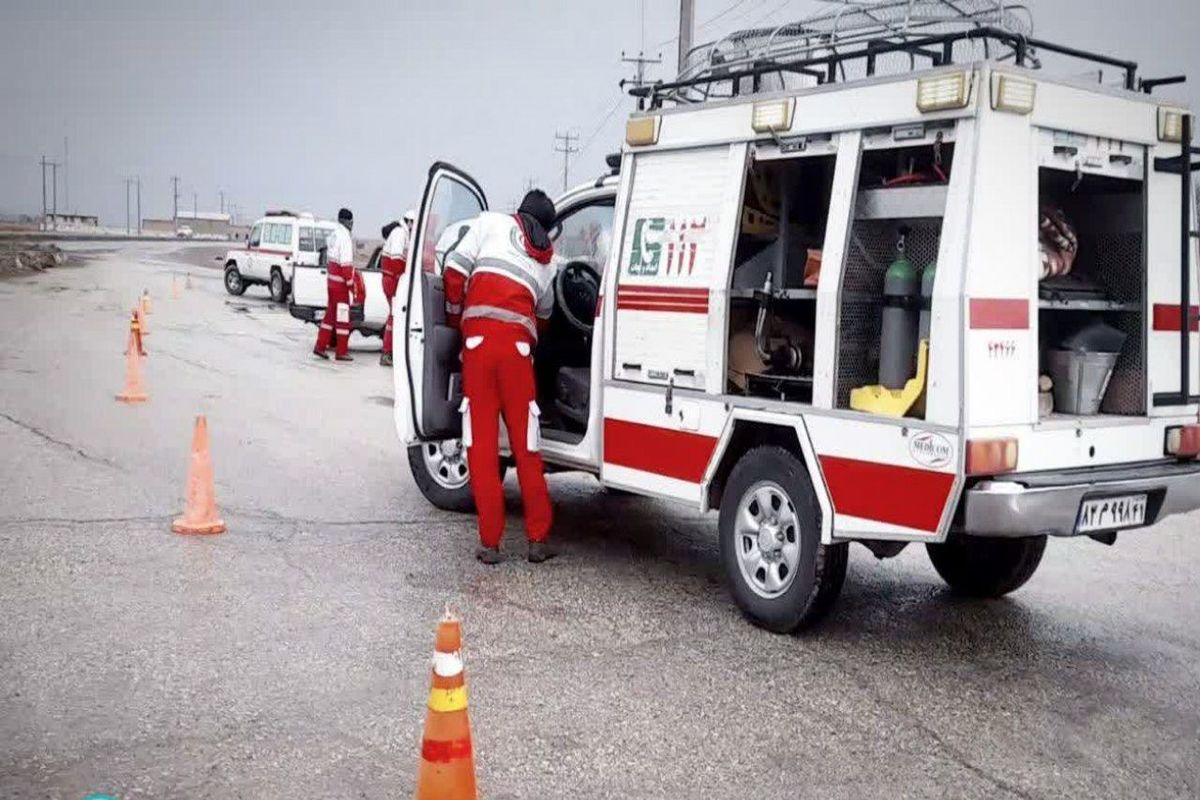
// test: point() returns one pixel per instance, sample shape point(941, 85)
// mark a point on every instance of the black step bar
point(1184, 166)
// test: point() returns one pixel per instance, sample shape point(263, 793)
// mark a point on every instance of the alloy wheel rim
point(767, 539)
point(446, 463)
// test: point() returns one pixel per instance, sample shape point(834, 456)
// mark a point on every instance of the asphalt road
point(290, 656)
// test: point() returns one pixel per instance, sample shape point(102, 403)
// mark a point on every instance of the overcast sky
point(315, 105)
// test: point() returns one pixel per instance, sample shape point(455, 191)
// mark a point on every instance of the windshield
point(585, 234)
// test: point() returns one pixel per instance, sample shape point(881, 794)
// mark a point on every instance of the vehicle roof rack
point(857, 39)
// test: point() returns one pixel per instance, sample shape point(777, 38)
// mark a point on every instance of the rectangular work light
point(1170, 125)
point(943, 92)
point(642, 130)
point(772, 116)
point(1013, 94)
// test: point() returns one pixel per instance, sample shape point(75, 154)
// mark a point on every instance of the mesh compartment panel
point(872, 249)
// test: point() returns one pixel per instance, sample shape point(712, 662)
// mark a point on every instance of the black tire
point(435, 490)
point(278, 286)
point(982, 567)
point(816, 582)
point(234, 284)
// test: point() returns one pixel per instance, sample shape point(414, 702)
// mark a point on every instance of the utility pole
point(54, 195)
point(639, 62)
point(222, 193)
point(43, 192)
point(139, 205)
point(128, 183)
point(687, 27)
point(175, 199)
point(66, 175)
point(195, 207)
point(568, 140)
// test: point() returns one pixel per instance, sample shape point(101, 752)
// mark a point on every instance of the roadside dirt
point(20, 258)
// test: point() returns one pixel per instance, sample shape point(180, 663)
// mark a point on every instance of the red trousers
point(498, 379)
point(390, 282)
point(339, 294)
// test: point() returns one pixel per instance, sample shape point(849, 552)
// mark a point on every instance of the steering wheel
point(576, 292)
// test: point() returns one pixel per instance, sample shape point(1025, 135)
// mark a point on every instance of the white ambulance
point(759, 345)
point(278, 242)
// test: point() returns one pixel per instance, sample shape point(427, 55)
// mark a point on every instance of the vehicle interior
point(582, 239)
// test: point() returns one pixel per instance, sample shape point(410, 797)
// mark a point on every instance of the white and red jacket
point(492, 271)
point(339, 257)
point(394, 257)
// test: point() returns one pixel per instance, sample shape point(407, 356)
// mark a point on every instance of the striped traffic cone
point(447, 770)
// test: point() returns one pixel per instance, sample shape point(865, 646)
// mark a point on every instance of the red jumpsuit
point(340, 280)
point(393, 262)
point(498, 289)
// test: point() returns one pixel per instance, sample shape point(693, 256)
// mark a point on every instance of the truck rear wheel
point(779, 573)
point(278, 286)
point(985, 567)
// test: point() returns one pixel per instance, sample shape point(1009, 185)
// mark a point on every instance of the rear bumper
point(1048, 503)
point(314, 314)
point(306, 313)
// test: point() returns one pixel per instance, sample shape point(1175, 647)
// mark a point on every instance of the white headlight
point(773, 115)
point(943, 92)
point(1170, 125)
point(1013, 94)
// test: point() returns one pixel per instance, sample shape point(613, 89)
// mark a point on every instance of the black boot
point(489, 555)
point(321, 354)
point(539, 552)
point(385, 360)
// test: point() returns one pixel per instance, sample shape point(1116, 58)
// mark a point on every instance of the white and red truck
point(785, 215)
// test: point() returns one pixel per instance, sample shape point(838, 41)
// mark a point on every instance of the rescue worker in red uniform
point(499, 291)
point(393, 261)
point(341, 279)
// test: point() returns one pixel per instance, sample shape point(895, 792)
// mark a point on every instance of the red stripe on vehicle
point(673, 454)
point(989, 314)
point(674, 291)
point(677, 300)
point(675, 308)
point(912, 498)
point(1169, 318)
point(268, 252)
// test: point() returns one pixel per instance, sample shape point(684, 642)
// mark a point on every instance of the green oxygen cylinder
point(898, 334)
point(926, 299)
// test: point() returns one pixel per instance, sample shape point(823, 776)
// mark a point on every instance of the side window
point(373, 261)
point(585, 234)
point(322, 237)
point(306, 239)
point(256, 235)
point(285, 235)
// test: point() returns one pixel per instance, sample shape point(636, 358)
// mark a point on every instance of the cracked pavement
point(291, 654)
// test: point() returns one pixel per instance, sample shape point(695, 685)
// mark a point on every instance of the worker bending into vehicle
point(393, 261)
point(341, 280)
point(499, 291)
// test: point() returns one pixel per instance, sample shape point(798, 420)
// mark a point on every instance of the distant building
point(70, 221)
point(202, 224)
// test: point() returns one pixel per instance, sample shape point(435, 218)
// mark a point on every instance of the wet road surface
point(290, 656)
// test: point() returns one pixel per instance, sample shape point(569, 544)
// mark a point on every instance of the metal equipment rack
point(853, 42)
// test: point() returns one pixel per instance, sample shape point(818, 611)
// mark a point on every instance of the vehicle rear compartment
point(1103, 295)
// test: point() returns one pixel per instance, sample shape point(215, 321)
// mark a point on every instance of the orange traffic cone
point(135, 336)
point(133, 392)
point(200, 513)
point(447, 770)
point(145, 301)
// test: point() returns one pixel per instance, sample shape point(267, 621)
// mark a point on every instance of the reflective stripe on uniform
point(498, 266)
point(453, 308)
point(457, 259)
point(502, 315)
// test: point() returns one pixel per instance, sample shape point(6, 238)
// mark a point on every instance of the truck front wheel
point(985, 567)
point(779, 573)
point(440, 471)
point(233, 280)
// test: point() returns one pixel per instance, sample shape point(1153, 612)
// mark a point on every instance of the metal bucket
point(1080, 379)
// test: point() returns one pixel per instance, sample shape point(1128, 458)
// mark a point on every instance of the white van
point(774, 252)
point(277, 243)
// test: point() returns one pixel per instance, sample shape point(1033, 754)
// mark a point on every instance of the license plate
point(1112, 513)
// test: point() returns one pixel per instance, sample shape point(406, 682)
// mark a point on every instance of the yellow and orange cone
point(200, 513)
point(447, 770)
point(134, 391)
point(135, 336)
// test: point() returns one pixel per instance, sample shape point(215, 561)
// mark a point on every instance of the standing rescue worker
point(340, 280)
point(499, 291)
point(393, 261)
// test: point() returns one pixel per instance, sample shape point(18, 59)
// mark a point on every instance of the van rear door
point(428, 379)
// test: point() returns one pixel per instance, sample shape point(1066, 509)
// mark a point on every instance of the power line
point(640, 61)
point(719, 15)
point(568, 140)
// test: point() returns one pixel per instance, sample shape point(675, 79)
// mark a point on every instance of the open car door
point(428, 373)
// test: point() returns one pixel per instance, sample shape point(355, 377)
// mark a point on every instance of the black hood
point(537, 213)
